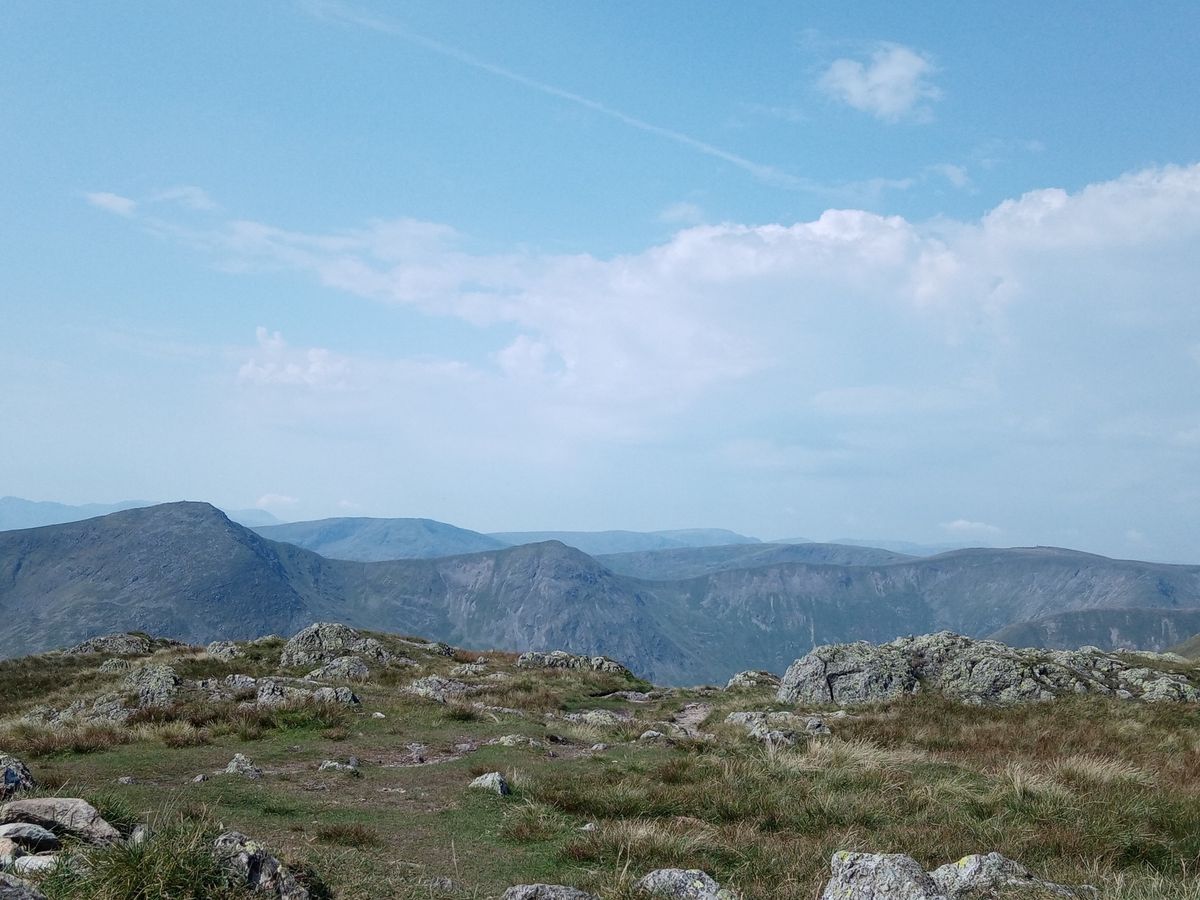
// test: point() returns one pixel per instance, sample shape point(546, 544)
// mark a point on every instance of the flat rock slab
point(61, 815)
point(29, 836)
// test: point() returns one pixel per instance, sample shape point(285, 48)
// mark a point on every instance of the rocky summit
point(347, 764)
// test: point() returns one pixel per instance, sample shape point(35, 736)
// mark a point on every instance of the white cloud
point(113, 203)
point(274, 363)
point(275, 501)
point(893, 85)
point(955, 174)
point(188, 196)
point(967, 528)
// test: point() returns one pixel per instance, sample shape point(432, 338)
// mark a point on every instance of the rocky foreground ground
point(345, 764)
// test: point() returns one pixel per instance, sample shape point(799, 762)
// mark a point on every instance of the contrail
point(339, 12)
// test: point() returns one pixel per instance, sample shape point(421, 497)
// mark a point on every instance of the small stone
point(599, 748)
point(199, 779)
point(125, 779)
point(650, 736)
point(241, 765)
point(139, 835)
point(35, 865)
point(335, 766)
point(492, 781)
point(378, 715)
point(590, 826)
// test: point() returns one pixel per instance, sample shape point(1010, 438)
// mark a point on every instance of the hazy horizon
point(792, 272)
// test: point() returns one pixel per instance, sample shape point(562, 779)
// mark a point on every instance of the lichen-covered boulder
point(344, 668)
point(115, 645)
point(546, 892)
point(879, 876)
point(848, 674)
point(155, 685)
point(752, 679)
point(435, 687)
point(600, 718)
point(340, 696)
point(242, 766)
point(980, 873)
point(61, 815)
point(682, 884)
point(560, 659)
point(15, 776)
point(252, 865)
point(225, 651)
point(323, 642)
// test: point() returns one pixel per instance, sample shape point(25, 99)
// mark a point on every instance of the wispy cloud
point(894, 84)
point(113, 203)
point(967, 528)
point(348, 15)
point(188, 196)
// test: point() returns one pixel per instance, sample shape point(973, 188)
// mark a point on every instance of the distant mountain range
point(374, 540)
point(185, 570)
point(16, 512)
point(597, 542)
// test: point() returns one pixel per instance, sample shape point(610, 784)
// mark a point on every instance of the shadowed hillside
point(600, 542)
point(372, 540)
point(690, 562)
point(185, 570)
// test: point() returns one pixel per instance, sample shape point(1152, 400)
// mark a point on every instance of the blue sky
point(794, 269)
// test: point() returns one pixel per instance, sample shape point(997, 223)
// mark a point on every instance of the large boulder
point(848, 674)
point(546, 892)
point(252, 865)
point(63, 816)
point(323, 642)
point(115, 645)
point(155, 685)
point(971, 671)
point(560, 659)
point(895, 876)
point(15, 776)
point(435, 687)
point(344, 668)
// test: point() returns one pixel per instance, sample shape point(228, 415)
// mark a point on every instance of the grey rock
point(631, 696)
point(115, 666)
point(546, 892)
point(241, 765)
point(879, 876)
point(332, 765)
point(682, 884)
point(341, 696)
point(225, 650)
point(114, 645)
point(254, 866)
point(435, 687)
point(973, 875)
point(780, 728)
point(650, 736)
point(468, 670)
point(240, 682)
point(155, 685)
point(752, 679)
point(560, 659)
point(970, 671)
point(35, 865)
point(15, 777)
point(109, 708)
point(378, 715)
point(139, 835)
point(125, 779)
point(344, 668)
point(601, 718)
point(62, 815)
point(276, 692)
point(200, 779)
point(14, 888)
point(323, 642)
point(492, 781)
point(29, 837)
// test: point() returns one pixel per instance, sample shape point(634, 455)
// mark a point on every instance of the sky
point(795, 269)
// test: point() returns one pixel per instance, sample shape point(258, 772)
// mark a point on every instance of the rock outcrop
point(129, 644)
point(13, 888)
point(155, 685)
point(324, 642)
point(560, 659)
point(495, 782)
point(344, 668)
point(895, 876)
point(546, 892)
point(780, 728)
point(971, 671)
point(225, 651)
point(752, 679)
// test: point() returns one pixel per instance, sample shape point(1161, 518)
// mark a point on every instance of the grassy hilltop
point(1081, 789)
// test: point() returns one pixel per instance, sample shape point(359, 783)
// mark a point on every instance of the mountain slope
point(1129, 629)
point(691, 562)
point(17, 513)
point(185, 570)
point(372, 540)
point(603, 542)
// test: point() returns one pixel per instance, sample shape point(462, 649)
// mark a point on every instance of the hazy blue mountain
point(16, 512)
point(372, 540)
point(599, 542)
point(690, 562)
point(908, 547)
point(185, 570)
